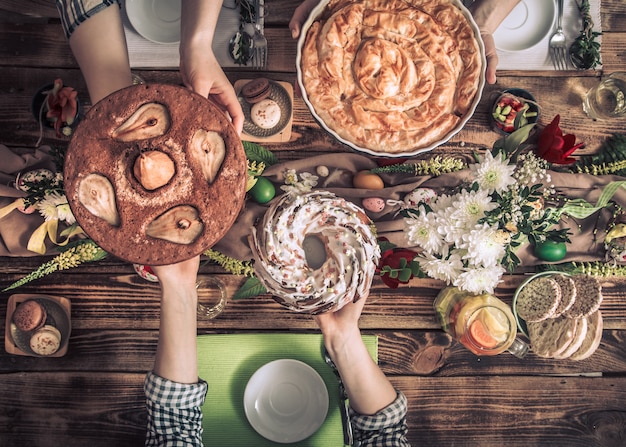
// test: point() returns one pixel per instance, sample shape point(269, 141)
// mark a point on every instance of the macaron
point(256, 90)
point(29, 316)
point(45, 341)
point(265, 114)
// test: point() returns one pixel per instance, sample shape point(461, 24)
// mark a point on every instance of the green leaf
point(255, 152)
point(405, 275)
point(251, 288)
point(386, 245)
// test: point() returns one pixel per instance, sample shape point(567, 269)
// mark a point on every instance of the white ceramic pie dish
point(315, 13)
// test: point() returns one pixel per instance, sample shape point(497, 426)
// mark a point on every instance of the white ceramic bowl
point(315, 13)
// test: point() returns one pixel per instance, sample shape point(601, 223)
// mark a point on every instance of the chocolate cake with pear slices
point(155, 174)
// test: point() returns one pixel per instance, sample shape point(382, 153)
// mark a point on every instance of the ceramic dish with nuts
point(391, 78)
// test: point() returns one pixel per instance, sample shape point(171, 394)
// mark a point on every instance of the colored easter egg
point(263, 190)
point(367, 180)
point(419, 195)
point(374, 204)
point(550, 251)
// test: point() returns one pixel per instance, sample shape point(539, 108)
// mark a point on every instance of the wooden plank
point(501, 411)
point(401, 353)
point(460, 411)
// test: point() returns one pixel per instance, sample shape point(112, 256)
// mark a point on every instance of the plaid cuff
point(174, 411)
point(75, 12)
point(387, 428)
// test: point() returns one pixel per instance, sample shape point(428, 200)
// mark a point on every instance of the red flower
point(555, 147)
point(399, 261)
point(62, 106)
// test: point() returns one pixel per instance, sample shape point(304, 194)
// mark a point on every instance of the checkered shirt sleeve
point(174, 412)
point(75, 12)
point(387, 428)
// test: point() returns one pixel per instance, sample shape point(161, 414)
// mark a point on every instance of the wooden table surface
point(93, 395)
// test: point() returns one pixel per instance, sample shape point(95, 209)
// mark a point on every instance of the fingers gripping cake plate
point(315, 252)
point(155, 174)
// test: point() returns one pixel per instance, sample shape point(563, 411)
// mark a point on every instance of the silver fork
point(558, 53)
point(259, 40)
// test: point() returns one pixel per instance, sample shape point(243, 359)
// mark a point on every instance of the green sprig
point(435, 166)
point(73, 255)
point(595, 268)
point(231, 265)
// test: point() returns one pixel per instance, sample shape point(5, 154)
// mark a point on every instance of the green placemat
point(228, 361)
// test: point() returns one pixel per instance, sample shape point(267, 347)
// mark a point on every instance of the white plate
point(155, 20)
point(527, 25)
point(286, 401)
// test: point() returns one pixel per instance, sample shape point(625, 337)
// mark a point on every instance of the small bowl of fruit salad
point(512, 109)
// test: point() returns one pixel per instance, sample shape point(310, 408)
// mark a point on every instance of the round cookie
point(592, 340)
point(29, 316)
point(185, 214)
point(265, 114)
point(568, 293)
point(538, 300)
point(46, 341)
point(588, 296)
point(256, 90)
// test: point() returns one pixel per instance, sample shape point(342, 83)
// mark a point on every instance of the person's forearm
point(176, 358)
point(99, 46)
point(488, 14)
point(198, 20)
point(369, 390)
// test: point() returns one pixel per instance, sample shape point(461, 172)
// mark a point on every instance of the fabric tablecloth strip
point(227, 361)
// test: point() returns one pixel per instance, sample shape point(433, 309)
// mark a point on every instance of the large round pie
point(391, 77)
point(155, 174)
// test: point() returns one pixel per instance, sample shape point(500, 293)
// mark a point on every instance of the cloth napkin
point(538, 57)
point(227, 361)
point(144, 53)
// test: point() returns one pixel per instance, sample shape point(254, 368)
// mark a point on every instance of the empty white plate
point(286, 401)
point(527, 25)
point(155, 20)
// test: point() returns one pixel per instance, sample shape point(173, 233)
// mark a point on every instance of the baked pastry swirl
point(391, 76)
point(344, 233)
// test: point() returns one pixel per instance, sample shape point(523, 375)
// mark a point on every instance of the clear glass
point(211, 297)
point(607, 100)
point(483, 324)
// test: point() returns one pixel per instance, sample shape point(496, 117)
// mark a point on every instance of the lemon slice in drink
point(495, 321)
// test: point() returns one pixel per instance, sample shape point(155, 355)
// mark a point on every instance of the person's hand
point(300, 15)
point(202, 73)
point(492, 57)
point(182, 274)
point(339, 327)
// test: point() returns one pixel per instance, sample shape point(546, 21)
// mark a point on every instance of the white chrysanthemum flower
point(447, 270)
point(422, 231)
point(484, 246)
point(463, 214)
point(65, 213)
point(493, 174)
point(55, 206)
point(479, 280)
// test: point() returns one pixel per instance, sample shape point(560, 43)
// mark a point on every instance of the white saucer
point(526, 26)
point(286, 401)
point(155, 20)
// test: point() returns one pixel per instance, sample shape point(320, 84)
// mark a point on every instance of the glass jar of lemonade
point(482, 323)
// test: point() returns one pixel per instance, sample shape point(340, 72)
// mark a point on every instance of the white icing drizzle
point(352, 252)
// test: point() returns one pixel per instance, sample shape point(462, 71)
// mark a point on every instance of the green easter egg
point(550, 251)
point(263, 190)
